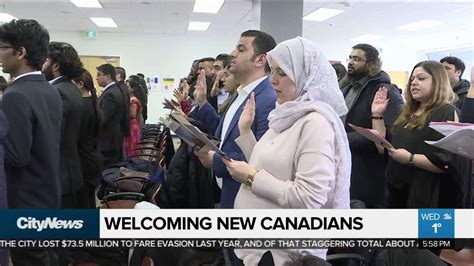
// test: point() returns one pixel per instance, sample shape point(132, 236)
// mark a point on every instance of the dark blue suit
point(265, 99)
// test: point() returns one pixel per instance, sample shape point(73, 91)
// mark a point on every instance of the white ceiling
point(172, 17)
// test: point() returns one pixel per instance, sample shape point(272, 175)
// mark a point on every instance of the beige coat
point(296, 169)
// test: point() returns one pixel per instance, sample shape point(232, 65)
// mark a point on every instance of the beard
point(356, 74)
point(48, 73)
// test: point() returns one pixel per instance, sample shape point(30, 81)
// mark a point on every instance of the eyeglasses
point(355, 59)
point(5, 47)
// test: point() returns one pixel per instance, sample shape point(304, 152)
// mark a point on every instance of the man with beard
point(61, 66)
point(368, 182)
point(249, 66)
point(455, 68)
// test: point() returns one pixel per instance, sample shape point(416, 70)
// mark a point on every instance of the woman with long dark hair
point(131, 142)
point(91, 159)
point(421, 175)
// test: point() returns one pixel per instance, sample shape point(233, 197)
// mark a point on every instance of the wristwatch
point(250, 177)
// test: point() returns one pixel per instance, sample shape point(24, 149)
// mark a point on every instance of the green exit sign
point(90, 34)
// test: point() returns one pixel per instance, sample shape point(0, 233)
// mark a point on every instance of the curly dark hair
point(29, 34)
point(66, 57)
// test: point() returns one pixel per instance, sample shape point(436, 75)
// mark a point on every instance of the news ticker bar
point(234, 243)
point(236, 224)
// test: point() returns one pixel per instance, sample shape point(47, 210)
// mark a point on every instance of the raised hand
point(200, 90)
point(247, 116)
point(185, 87)
point(380, 102)
point(180, 96)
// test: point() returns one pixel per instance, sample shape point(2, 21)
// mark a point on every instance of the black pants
point(86, 197)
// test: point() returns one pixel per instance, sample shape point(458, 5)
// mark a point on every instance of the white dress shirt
point(26, 74)
point(53, 80)
point(241, 96)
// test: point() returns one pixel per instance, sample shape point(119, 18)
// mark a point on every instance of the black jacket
point(69, 163)
point(112, 106)
point(368, 182)
point(91, 159)
point(125, 122)
point(34, 110)
point(461, 90)
point(3, 181)
point(188, 183)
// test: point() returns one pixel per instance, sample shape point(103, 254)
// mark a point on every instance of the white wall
point(169, 55)
point(150, 54)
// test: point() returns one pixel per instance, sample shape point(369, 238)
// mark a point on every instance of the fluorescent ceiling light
point(207, 6)
point(5, 17)
point(366, 38)
point(201, 26)
point(419, 25)
point(87, 3)
point(322, 14)
point(104, 22)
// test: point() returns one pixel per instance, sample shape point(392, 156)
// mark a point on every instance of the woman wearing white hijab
point(303, 160)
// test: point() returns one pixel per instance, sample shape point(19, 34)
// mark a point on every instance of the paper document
point(447, 128)
point(190, 134)
point(459, 139)
point(372, 135)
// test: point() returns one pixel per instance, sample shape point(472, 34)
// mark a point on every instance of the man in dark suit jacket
point(34, 110)
point(112, 106)
point(3, 182)
point(61, 66)
point(120, 77)
point(249, 66)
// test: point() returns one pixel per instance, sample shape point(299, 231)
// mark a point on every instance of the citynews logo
point(47, 223)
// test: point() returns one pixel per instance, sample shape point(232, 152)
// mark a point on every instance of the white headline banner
point(275, 223)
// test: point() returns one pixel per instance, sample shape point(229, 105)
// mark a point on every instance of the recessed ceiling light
point(104, 22)
point(87, 3)
point(200, 26)
point(322, 14)
point(207, 6)
point(367, 38)
point(5, 17)
point(419, 25)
